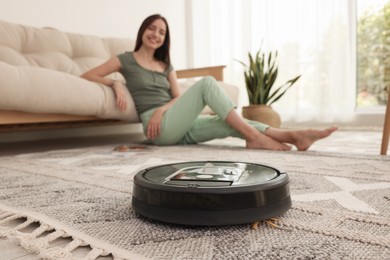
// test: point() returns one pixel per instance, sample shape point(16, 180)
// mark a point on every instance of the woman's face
point(154, 35)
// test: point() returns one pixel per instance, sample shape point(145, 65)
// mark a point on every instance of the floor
point(343, 141)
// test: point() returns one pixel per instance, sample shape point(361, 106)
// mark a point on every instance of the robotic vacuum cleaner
point(211, 193)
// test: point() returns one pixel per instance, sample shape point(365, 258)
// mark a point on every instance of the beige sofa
point(40, 85)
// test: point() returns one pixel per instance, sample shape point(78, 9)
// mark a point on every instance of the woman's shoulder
point(127, 54)
point(126, 57)
point(168, 68)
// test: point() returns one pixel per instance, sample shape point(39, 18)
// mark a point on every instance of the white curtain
point(314, 38)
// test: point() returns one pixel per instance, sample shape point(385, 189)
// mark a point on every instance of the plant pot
point(262, 113)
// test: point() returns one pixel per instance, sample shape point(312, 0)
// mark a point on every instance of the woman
point(170, 118)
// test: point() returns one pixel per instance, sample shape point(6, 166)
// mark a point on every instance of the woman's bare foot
point(267, 143)
point(303, 139)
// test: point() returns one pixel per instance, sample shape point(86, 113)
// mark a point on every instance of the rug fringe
point(31, 242)
point(25, 224)
point(11, 224)
point(6, 232)
point(10, 218)
point(93, 254)
point(55, 253)
point(36, 245)
point(6, 214)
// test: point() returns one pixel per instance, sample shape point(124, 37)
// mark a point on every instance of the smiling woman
point(154, 35)
point(170, 118)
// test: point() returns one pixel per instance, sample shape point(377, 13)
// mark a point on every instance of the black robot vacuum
point(211, 193)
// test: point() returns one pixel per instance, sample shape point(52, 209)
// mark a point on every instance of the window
point(373, 52)
point(314, 38)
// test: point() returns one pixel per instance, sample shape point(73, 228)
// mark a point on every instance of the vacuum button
point(192, 185)
point(204, 176)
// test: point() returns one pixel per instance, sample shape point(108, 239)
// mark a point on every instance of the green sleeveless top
point(149, 89)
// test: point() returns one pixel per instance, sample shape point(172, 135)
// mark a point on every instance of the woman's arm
point(98, 74)
point(175, 92)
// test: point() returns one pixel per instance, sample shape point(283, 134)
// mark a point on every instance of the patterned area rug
point(341, 206)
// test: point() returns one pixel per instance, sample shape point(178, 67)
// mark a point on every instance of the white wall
point(112, 18)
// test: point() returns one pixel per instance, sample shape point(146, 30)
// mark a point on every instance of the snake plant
point(260, 76)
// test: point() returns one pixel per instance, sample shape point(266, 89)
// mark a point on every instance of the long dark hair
point(161, 53)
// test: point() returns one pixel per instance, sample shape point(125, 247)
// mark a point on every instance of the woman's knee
point(208, 83)
point(209, 80)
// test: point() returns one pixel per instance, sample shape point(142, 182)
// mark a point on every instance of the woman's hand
point(120, 95)
point(154, 125)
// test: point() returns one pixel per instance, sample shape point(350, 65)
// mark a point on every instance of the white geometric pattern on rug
point(344, 197)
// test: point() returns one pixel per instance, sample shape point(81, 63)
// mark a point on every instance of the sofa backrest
point(49, 48)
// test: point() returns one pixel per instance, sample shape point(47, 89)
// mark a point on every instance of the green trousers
point(183, 124)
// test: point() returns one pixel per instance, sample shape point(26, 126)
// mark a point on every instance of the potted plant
point(260, 76)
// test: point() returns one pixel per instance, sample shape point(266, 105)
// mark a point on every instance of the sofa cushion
point(49, 48)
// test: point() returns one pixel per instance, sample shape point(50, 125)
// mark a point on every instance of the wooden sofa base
point(15, 121)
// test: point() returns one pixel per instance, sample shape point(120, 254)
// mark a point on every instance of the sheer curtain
point(314, 38)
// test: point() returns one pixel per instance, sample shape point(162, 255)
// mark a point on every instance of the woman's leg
point(302, 139)
point(206, 128)
point(275, 139)
point(182, 125)
point(179, 119)
point(254, 138)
